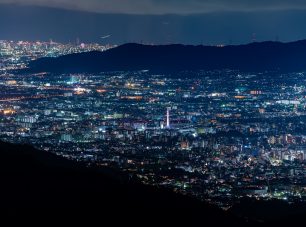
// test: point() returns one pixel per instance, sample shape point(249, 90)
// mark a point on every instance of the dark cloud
point(166, 6)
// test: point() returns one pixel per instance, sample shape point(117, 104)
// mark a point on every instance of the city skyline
point(102, 103)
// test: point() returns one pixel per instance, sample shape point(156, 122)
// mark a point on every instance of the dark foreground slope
point(38, 186)
point(266, 56)
point(272, 213)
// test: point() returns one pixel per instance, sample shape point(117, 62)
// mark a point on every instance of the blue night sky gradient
point(154, 21)
point(166, 6)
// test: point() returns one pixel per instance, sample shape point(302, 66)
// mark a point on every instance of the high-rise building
point(168, 118)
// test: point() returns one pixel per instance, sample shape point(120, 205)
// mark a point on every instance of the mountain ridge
point(255, 57)
point(40, 186)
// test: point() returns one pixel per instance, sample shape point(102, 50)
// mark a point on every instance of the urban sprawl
point(215, 135)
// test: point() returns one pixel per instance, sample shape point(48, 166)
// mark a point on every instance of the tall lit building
point(168, 118)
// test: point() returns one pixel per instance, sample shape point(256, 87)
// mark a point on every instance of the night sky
point(154, 21)
point(167, 6)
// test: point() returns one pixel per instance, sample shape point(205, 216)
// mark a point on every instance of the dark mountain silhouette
point(274, 212)
point(266, 56)
point(39, 186)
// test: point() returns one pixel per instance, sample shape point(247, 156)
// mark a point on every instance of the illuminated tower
point(168, 118)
